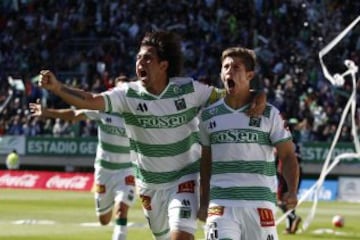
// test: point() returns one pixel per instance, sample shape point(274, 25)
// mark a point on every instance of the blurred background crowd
point(88, 43)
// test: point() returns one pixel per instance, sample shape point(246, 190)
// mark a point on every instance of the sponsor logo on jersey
point(160, 122)
point(113, 130)
point(266, 217)
point(216, 211)
point(100, 188)
point(212, 124)
point(131, 195)
point(180, 104)
point(270, 237)
point(130, 180)
point(188, 187)
point(142, 107)
point(234, 135)
point(185, 212)
point(146, 202)
point(185, 209)
point(254, 122)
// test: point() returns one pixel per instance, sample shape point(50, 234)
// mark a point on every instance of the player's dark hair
point(248, 56)
point(168, 47)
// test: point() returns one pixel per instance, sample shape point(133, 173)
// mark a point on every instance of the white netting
point(337, 80)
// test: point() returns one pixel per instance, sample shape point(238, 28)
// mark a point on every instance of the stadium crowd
point(89, 43)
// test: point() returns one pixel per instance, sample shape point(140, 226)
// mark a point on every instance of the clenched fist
point(49, 81)
point(290, 200)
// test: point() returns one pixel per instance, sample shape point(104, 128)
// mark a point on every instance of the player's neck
point(237, 101)
point(159, 87)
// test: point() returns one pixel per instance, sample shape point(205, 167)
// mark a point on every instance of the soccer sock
point(120, 229)
point(292, 215)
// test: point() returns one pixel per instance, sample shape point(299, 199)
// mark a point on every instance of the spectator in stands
point(73, 34)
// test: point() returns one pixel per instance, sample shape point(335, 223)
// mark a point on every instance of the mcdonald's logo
point(266, 217)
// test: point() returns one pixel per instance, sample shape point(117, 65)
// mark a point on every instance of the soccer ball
point(338, 221)
point(12, 161)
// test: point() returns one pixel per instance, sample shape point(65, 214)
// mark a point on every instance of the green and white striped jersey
point(163, 129)
point(242, 149)
point(113, 149)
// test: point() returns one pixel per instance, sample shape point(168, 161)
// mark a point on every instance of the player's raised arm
point(72, 96)
point(65, 114)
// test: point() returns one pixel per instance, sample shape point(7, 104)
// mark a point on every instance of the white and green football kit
point(243, 180)
point(114, 175)
point(164, 141)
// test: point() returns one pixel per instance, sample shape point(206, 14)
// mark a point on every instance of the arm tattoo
point(72, 92)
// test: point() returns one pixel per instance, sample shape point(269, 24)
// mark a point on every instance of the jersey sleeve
point(279, 131)
point(203, 133)
point(114, 99)
point(90, 114)
point(207, 94)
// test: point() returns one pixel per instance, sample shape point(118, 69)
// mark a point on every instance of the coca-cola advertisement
point(46, 180)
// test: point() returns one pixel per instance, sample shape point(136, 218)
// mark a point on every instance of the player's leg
point(120, 225)
point(221, 224)
point(154, 204)
point(124, 192)
point(104, 197)
point(183, 206)
point(259, 223)
point(295, 222)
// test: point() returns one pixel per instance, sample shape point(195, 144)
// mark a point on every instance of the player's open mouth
point(142, 73)
point(230, 83)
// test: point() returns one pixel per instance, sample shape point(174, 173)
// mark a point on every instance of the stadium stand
point(89, 43)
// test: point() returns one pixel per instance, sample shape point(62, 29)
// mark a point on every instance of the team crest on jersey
point(180, 104)
point(266, 217)
point(146, 202)
point(213, 111)
point(100, 188)
point(216, 211)
point(176, 89)
point(254, 122)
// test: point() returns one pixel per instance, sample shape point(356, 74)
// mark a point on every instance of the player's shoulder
point(269, 110)
point(188, 81)
point(183, 86)
point(181, 80)
point(213, 109)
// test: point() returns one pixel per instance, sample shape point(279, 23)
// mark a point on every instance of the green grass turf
point(68, 210)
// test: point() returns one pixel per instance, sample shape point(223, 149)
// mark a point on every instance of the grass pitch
point(58, 215)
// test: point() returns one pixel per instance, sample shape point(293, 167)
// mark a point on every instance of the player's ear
point(164, 65)
point(250, 75)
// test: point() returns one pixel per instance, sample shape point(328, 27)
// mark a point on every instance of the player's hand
point(202, 213)
point(257, 105)
point(48, 81)
point(290, 200)
point(35, 109)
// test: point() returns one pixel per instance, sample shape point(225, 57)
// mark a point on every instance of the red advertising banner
point(46, 180)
